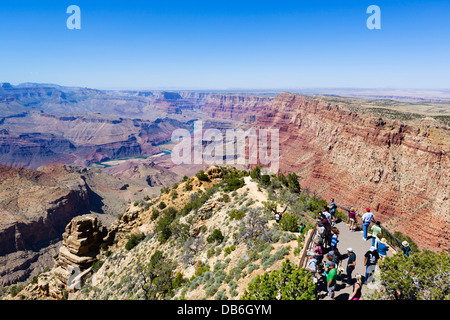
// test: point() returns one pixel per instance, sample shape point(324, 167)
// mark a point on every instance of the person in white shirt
point(327, 214)
point(312, 262)
point(367, 218)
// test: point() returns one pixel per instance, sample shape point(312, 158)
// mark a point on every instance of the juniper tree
point(288, 283)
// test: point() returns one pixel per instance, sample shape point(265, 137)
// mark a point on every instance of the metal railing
point(383, 228)
point(307, 247)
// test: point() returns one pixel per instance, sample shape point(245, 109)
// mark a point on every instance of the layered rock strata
point(400, 169)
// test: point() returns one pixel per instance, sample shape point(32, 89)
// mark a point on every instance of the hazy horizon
point(229, 89)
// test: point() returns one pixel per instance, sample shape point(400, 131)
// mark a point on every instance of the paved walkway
point(354, 240)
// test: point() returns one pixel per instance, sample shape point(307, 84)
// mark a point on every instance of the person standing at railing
point(367, 218)
point(327, 235)
point(332, 208)
point(352, 219)
point(318, 250)
point(382, 248)
point(405, 248)
point(376, 229)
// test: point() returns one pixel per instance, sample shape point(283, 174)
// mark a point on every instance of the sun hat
point(405, 243)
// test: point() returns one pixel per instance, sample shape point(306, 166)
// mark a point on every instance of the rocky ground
point(228, 265)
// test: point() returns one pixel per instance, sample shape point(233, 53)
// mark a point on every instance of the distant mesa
point(171, 95)
point(5, 85)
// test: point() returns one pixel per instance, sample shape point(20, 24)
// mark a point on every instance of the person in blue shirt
point(382, 248)
point(333, 208)
point(334, 238)
point(406, 249)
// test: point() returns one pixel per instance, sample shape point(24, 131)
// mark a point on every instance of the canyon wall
point(35, 207)
point(398, 169)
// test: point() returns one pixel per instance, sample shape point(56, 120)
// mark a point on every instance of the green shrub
point(294, 185)
point(221, 295)
point(289, 223)
point(265, 180)
point(256, 173)
point(229, 249)
point(210, 253)
point(202, 176)
point(134, 240)
point(199, 199)
point(155, 214)
point(164, 222)
point(423, 275)
point(187, 186)
point(235, 214)
point(201, 270)
point(288, 283)
point(179, 281)
point(225, 198)
point(283, 180)
point(165, 190)
point(216, 236)
point(162, 205)
point(268, 260)
point(233, 184)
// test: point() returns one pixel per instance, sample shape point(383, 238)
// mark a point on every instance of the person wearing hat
point(312, 262)
point(406, 249)
point(351, 263)
point(370, 261)
point(382, 247)
point(331, 279)
point(367, 218)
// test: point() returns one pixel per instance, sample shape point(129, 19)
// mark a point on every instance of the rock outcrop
point(73, 264)
point(37, 205)
point(35, 208)
point(79, 250)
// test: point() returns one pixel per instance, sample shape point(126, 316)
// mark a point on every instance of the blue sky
point(226, 44)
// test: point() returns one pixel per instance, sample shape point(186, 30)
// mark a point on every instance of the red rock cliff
point(398, 169)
